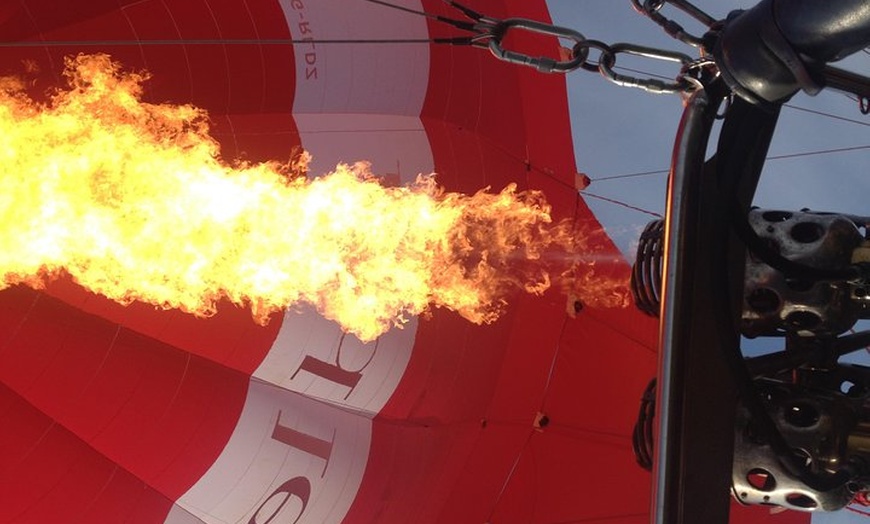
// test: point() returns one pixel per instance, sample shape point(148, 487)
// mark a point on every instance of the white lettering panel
point(291, 459)
point(358, 77)
point(396, 146)
point(312, 356)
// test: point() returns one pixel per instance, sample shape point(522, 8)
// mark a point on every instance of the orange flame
point(133, 201)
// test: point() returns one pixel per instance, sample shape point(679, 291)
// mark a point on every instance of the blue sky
point(619, 131)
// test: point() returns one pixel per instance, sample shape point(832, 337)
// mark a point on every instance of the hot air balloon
point(131, 413)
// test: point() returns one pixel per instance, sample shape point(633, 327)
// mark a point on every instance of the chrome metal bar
point(679, 332)
point(699, 339)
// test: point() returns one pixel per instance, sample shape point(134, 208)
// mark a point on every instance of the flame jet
point(134, 202)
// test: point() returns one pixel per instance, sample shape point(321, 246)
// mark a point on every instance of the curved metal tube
point(681, 217)
point(767, 53)
point(824, 31)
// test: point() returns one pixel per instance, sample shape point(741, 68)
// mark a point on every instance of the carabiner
point(652, 85)
point(651, 8)
point(499, 28)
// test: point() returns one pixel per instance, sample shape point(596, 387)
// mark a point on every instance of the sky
point(621, 131)
point(633, 130)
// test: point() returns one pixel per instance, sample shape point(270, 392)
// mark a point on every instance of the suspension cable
point(460, 24)
point(772, 157)
point(828, 115)
point(622, 204)
point(223, 42)
point(632, 175)
point(403, 8)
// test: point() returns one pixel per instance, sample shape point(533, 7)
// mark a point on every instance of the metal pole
point(704, 263)
point(678, 326)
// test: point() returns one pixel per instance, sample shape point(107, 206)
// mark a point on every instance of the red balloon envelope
point(130, 414)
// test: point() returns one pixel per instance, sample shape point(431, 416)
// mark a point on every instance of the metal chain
point(496, 30)
point(684, 82)
point(692, 75)
point(651, 8)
